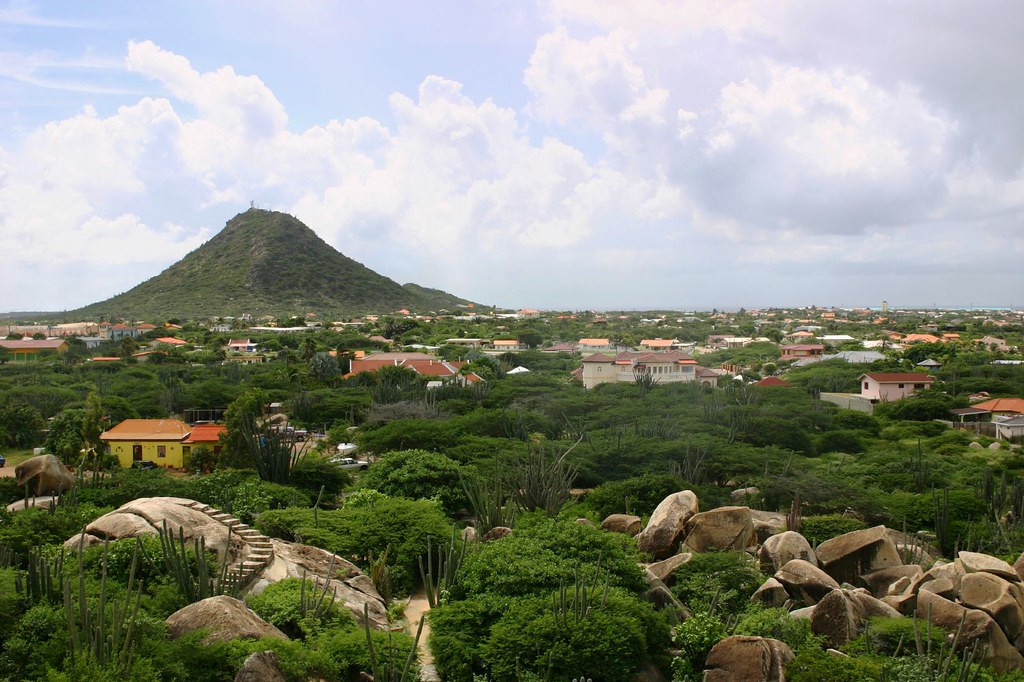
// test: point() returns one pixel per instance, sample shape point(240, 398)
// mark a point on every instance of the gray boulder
point(225, 617)
point(44, 475)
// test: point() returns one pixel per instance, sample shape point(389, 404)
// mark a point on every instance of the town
point(737, 470)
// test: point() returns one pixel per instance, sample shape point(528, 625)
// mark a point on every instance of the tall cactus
point(439, 574)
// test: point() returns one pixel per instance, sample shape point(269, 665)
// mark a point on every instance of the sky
point(563, 154)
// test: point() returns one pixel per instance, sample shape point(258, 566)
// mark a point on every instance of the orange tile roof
point(147, 429)
point(594, 342)
point(1014, 405)
point(171, 341)
point(206, 433)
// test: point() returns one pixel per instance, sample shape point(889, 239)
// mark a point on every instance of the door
point(137, 453)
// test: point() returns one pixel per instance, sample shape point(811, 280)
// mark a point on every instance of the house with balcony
point(34, 350)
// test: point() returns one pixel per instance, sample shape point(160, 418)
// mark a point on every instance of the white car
point(350, 463)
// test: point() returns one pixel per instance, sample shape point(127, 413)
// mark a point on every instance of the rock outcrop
point(779, 550)
point(225, 617)
point(852, 554)
point(750, 659)
point(720, 529)
point(44, 475)
point(623, 523)
point(257, 559)
point(667, 525)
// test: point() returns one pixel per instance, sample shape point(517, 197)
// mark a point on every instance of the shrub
point(312, 472)
point(727, 578)
point(638, 495)
point(760, 621)
point(543, 553)
point(610, 643)
point(840, 441)
point(817, 529)
point(418, 474)
point(814, 665)
point(357, 532)
point(281, 605)
point(695, 637)
point(883, 636)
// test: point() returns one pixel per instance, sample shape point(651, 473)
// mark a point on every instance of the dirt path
point(415, 608)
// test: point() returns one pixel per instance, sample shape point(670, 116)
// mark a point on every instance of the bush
point(883, 636)
point(281, 605)
point(814, 665)
point(727, 578)
point(840, 441)
point(357, 532)
point(817, 529)
point(695, 637)
point(760, 621)
point(638, 495)
point(313, 472)
point(418, 475)
point(611, 643)
point(543, 553)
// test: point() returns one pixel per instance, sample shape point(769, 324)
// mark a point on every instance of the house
point(169, 341)
point(241, 346)
point(120, 331)
point(658, 344)
point(708, 376)
point(151, 440)
point(664, 367)
point(1010, 428)
point(773, 381)
point(420, 363)
point(920, 338)
point(34, 350)
point(528, 314)
point(930, 365)
point(994, 343)
point(801, 350)
point(1002, 406)
point(886, 386)
point(594, 344)
point(467, 343)
point(508, 345)
point(560, 348)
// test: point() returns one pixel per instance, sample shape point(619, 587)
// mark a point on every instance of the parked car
point(3, 461)
point(350, 463)
point(144, 464)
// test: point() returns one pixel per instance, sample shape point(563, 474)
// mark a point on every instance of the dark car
point(3, 461)
point(144, 464)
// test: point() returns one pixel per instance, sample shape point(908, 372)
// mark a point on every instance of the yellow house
point(150, 440)
point(33, 350)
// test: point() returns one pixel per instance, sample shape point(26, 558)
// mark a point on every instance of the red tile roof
point(773, 381)
point(899, 377)
point(171, 341)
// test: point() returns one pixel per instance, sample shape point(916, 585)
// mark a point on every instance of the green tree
point(418, 474)
point(21, 425)
point(323, 366)
point(239, 418)
point(65, 439)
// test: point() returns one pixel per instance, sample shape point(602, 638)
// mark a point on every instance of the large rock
point(723, 528)
point(667, 525)
point(840, 615)
point(852, 554)
point(978, 626)
point(623, 523)
point(45, 475)
point(44, 502)
point(999, 598)
point(954, 572)
point(264, 561)
point(767, 523)
point(662, 570)
point(747, 659)
point(771, 593)
point(740, 494)
point(804, 582)
point(261, 666)
point(974, 562)
point(878, 582)
point(350, 586)
point(779, 550)
point(225, 617)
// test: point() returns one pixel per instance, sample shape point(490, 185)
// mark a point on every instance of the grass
point(16, 457)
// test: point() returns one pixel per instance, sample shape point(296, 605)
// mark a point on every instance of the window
point(865, 385)
point(161, 450)
point(918, 386)
point(186, 450)
point(901, 385)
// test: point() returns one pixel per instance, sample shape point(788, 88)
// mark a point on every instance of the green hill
point(266, 263)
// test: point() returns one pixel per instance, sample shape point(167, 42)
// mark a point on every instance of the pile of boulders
point(839, 584)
